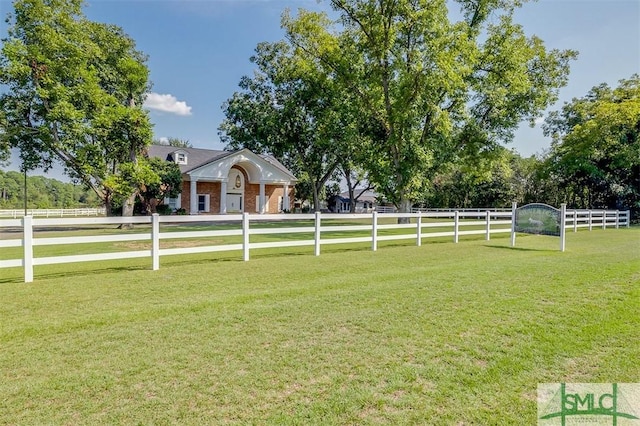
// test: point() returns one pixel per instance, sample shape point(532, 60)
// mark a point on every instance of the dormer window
point(181, 158)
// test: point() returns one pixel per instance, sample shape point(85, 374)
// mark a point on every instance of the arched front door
point(235, 191)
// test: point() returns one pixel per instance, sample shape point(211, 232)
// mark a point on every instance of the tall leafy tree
point(430, 90)
point(168, 184)
point(74, 91)
point(596, 147)
point(288, 109)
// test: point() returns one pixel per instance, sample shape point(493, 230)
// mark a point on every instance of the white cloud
point(539, 121)
point(166, 103)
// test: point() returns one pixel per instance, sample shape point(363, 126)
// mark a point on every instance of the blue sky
point(199, 49)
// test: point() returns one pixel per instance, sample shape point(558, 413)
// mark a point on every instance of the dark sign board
point(538, 219)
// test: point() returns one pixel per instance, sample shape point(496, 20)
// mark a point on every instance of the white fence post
point(317, 234)
point(604, 219)
point(456, 225)
point(575, 221)
point(563, 231)
point(514, 208)
point(374, 231)
point(590, 220)
point(245, 237)
point(155, 241)
point(617, 219)
point(488, 229)
point(27, 242)
point(419, 229)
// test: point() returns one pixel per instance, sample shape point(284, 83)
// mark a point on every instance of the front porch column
point(223, 197)
point(285, 198)
point(261, 197)
point(193, 199)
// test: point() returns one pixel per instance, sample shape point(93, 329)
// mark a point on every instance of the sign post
point(514, 209)
point(563, 217)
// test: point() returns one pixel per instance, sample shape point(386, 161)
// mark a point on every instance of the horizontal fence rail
point(233, 232)
point(15, 213)
point(481, 210)
point(596, 218)
point(389, 209)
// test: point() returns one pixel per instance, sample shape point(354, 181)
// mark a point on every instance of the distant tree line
point(43, 193)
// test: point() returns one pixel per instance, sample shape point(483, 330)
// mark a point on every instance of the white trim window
point(181, 158)
point(204, 203)
point(174, 203)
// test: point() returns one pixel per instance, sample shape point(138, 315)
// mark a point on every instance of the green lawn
point(439, 334)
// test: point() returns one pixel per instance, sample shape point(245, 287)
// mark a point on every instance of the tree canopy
point(429, 90)
point(74, 92)
point(595, 152)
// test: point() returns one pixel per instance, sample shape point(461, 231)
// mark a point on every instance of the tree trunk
point(404, 207)
point(352, 200)
point(316, 198)
point(152, 206)
point(127, 207)
point(127, 211)
point(108, 207)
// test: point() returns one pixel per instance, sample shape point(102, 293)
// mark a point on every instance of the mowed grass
point(439, 334)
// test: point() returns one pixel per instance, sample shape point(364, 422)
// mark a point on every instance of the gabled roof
point(274, 161)
point(198, 157)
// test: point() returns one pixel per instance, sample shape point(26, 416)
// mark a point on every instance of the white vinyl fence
point(477, 210)
point(88, 211)
point(324, 229)
point(597, 218)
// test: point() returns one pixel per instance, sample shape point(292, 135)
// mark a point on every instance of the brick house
point(220, 182)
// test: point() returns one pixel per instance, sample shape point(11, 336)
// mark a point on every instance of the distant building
point(366, 203)
point(220, 182)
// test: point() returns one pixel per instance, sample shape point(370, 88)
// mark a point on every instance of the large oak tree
point(73, 92)
point(430, 90)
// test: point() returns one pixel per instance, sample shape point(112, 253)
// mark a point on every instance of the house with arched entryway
point(220, 182)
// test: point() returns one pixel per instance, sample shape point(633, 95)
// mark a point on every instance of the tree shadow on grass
point(71, 273)
point(172, 261)
point(234, 256)
point(518, 248)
